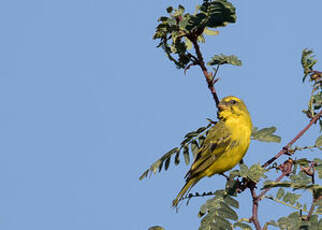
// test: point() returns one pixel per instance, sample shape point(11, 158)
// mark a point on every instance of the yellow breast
point(240, 139)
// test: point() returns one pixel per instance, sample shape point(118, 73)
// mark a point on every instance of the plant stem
point(311, 210)
point(203, 67)
point(267, 189)
point(254, 218)
point(286, 147)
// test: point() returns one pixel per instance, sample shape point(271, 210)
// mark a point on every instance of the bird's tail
point(191, 182)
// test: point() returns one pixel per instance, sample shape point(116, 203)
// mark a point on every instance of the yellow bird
point(225, 145)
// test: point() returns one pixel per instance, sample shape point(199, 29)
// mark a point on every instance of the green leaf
point(256, 172)
point(201, 129)
point(318, 205)
point(265, 135)
point(157, 165)
point(280, 193)
point(167, 163)
point(219, 12)
point(232, 185)
point(190, 139)
point(194, 148)
point(156, 228)
point(144, 175)
point(201, 39)
point(243, 170)
point(307, 62)
point(222, 223)
point(293, 221)
point(271, 222)
point(300, 179)
point(186, 154)
point(318, 142)
point(302, 162)
point(177, 158)
point(169, 9)
point(226, 212)
point(243, 226)
point(179, 11)
point(188, 43)
point(210, 32)
point(231, 201)
point(223, 59)
point(218, 211)
point(273, 184)
point(318, 167)
point(291, 197)
point(163, 19)
point(191, 134)
point(283, 222)
point(298, 205)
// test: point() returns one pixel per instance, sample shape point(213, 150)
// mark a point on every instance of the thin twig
point(286, 169)
point(254, 218)
point(297, 148)
point(285, 149)
point(188, 66)
point(310, 172)
point(208, 75)
point(216, 71)
point(312, 207)
point(284, 203)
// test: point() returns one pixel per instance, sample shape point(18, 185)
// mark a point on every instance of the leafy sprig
point(179, 34)
point(193, 141)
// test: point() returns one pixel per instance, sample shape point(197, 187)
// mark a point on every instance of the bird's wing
point(215, 144)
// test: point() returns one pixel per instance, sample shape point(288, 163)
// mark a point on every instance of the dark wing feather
point(215, 144)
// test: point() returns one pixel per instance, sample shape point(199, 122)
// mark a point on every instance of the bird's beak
point(222, 106)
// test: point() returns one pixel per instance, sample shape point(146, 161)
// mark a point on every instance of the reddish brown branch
point(310, 211)
point(286, 169)
point(254, 218)
point(312, 207)
point(285, 149)
point(208, 75)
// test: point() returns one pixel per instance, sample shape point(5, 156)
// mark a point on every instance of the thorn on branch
point(188, 67)
point(286, 167)
point(227, 177)
point(195, 59)
point(214, 81)
point(310, 171)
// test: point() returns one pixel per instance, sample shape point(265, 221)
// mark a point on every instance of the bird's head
point(232, 107)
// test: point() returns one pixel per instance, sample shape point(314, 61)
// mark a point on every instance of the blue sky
point(88, 103)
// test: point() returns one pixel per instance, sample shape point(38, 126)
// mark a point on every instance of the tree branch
point(208, 75)
point(286, 147)
point(254, 218)
point(286, 168)
point(312, 207)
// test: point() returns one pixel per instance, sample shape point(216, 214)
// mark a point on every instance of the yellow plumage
point(225, 145)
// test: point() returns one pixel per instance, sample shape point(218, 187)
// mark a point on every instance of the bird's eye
point(233, 102)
